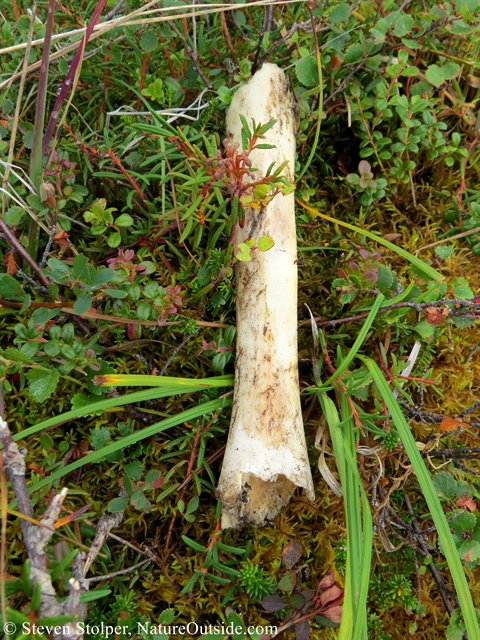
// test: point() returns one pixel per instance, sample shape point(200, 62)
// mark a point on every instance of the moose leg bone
point(266, 454)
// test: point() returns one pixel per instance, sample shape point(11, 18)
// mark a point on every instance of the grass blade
point(343, 366)
point(445, 536)
point(133, 438)
point(427, 271)
point(139, 396)
point(183, 384)
point(359, 527)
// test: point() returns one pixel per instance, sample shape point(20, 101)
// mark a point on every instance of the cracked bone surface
point(266, 455)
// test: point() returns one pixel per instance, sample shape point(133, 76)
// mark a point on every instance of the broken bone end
point(259, 501)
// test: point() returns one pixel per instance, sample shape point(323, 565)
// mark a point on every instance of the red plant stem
point(112, 156)
point(166, 53)
point(70, 75)
point(412, 378)
point(143, 71)
point(212, 542)
point(328, 362)
point(16, 13)
point(227, 36)
point(117, 162)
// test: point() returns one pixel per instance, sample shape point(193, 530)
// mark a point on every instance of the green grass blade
point(387, 303)
point(133, 438)
point(128, 398)
point(352, 513)
point(359, 536)
point(330, 412)
point(359, 341)
point(183, 384)
point(432, 500)
point(427, 271)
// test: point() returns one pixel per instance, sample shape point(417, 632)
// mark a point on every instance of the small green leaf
point(434, 75)
point(14, 216)
point(80, 269)
point(124, 220)
point(307, 72)
point(385, 278)
point(456, 626)
point(444, 252)
point(354, 53)
point(339, 13)
point(450, 70)
point(288, 582)
point(424, 329)
point(114, 239)
point(463, 292)
point(194, 545)
point(204, 276)
point(149, 40)
point(81, 400)
point(192, 505)
point(83, 303)
point(96, 594)
point(403, 25)
point(52, 348)
point(100, 437)
point(224, 95)
point(116, 293)
point(138, 500)
point(243, 252)
point(445, 484)
point(102, 277)
point(265, 243)
point(15, 355)
point(117, 504)
point(464, 522)
point(167, 616)
point(10, 289)
point(235, 622)
point(42, 383)
point(469, 550)
point(410, 71)
point(134, 469)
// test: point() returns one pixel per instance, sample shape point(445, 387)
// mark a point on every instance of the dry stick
point(35, 538)
point(436, 576)
point(8, 304)
point(177, 350)
point(343, 84)
point(469, 304)
point(106, 523)
point(192, 55)
point(122, 572)
point(25, 255)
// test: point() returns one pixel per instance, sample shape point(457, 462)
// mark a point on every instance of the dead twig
point(469, 305)
point(15, 244)
point(35, 537)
